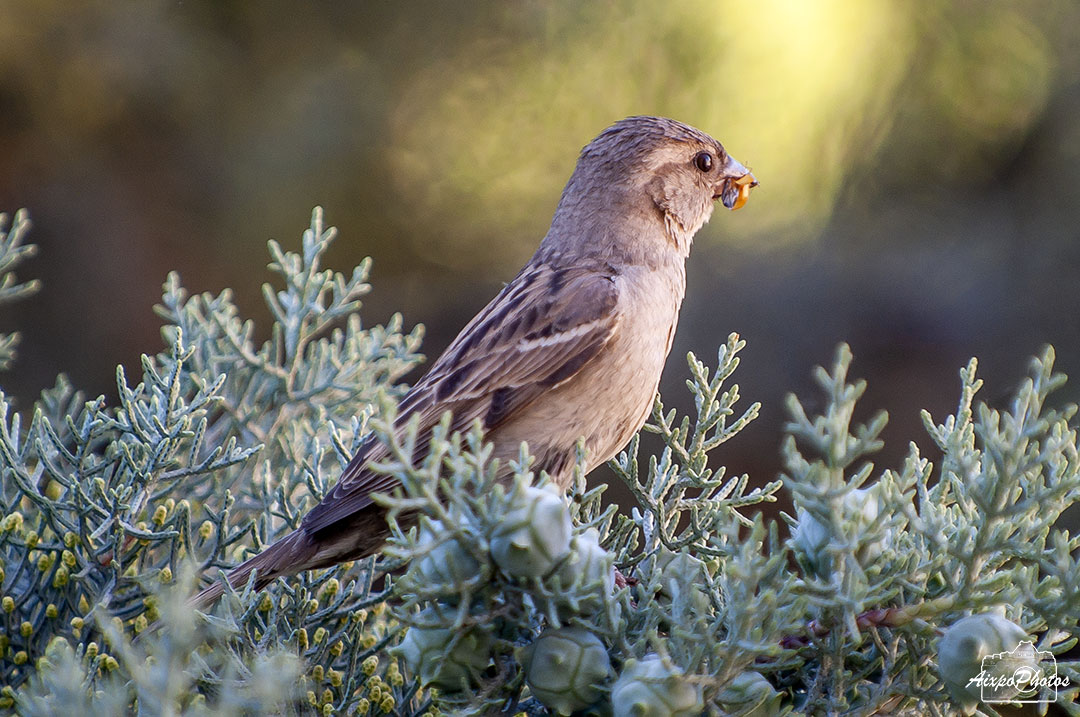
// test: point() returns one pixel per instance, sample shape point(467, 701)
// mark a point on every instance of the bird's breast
point(649, 308)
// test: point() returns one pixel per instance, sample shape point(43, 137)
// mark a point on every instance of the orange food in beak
point(744, 195)
point(745, 184)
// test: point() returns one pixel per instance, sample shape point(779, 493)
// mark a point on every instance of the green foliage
point(219, 449)
point(920, 549)
point(162, 675)
point(12, 251)
point(514, 598)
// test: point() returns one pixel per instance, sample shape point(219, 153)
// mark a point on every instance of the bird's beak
point(735, 187)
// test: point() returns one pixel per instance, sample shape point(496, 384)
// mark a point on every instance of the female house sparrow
point(572, 348)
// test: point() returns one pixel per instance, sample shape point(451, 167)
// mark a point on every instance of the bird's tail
point(288, 556)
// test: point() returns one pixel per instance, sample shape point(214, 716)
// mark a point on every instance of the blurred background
point(919, 164)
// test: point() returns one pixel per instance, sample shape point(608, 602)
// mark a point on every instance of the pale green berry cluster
point(444, 657)
point(533, 534)
point(814, 541)
point(654, 687)
point(565, 668)
point(751, 695)
point(516, 592)
point(969, 647)
point(477, 578)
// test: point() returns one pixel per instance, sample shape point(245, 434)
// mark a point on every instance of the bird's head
point(655, 169)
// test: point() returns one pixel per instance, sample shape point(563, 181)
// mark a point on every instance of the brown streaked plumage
point(571, 348)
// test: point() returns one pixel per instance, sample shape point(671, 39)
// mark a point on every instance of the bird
point(569, 350)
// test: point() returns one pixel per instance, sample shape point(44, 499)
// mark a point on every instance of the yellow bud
point(70, 539)
point(8, 604)
point(140, 624)
point(141, 525)
point(369, 641)
point(60, 577)
point(375, 693)
point(13, 522)
point(337, 648)
point(53, 490)
point(68, 558)
point(26, 629)
point(92, 650)
point(1, 576)
point(159, 515)
point(118, 624)
point(302, 639)
point(312, 699)
point(45, 562)
point(7, 703)
point(327, 696)
point(258, 635)
point(327, 709)
point(397, 679)
point(331, 588)
point(32, 539)
point(370, 665)
point(84, 606)
point(170, 503)
point(387, 704)
point(110, 663)
point(362, 706)
point(313, 605)
point(360, 615)
point(51, 612)
point(317, 673)
point(165, 576)
point(377, 610)
point(21, 657)
point(320, 635)
point(335, 678)
point(77, 623)
point(206, 530)
point(265, 603)
point(184, 505)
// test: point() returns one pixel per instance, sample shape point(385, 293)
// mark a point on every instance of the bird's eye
point(703, 161)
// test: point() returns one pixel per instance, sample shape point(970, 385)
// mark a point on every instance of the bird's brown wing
point(540, 330)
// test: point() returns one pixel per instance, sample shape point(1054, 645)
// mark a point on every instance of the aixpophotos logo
point(1020, 675)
